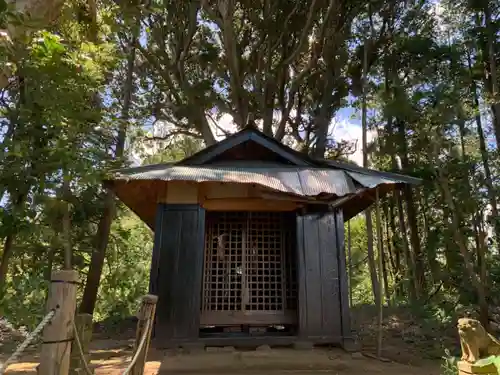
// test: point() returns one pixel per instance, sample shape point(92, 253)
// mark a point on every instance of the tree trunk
point(6, 255)
point(481, 251)
point(50, 261)
point(66, 222)
point(410, 267)
point(412, 215)
point(368, 215)
point(380, 301)
point(384, 271)
point(9, 242)
point(389, 239)
point(434, 264)
point(462, 245)
point(323, 117)
point(484, 156)
point(395, 247)
point(102, 237)
point(396, 200)
point(98, 256)
point(493, 78)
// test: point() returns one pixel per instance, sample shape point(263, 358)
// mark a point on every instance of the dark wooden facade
point(279, 276)
point(176, 270)
point(322, 310)
point(322, 278)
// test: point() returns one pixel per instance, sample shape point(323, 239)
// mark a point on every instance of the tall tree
point(109, 205)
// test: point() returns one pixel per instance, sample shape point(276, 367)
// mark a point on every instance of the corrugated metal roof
point(371, 181)
point(252, 135)
point(303, 181)
point(390, 176)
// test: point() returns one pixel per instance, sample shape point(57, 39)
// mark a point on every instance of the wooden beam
point(227, 318)
point(249, 204)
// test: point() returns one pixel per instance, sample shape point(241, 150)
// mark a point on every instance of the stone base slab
point(466, 368)
point(255, 361)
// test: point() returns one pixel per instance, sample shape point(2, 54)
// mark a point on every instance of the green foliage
point(429, 94)
point(361, 286)
point(49, 129)
point(449, 364)
point(126, 274)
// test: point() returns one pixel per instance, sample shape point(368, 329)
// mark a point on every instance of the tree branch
point(304, 35)
point(173, 134)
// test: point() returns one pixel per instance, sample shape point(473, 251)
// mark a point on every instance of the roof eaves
point(141, 168)
point(389, 175)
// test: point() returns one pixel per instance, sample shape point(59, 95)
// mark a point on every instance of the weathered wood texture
point(176, 270)
point(145, 317)
point(219, 196)
point(57, 336)
point(322, 278)
point(83, 323)
point(345, 312)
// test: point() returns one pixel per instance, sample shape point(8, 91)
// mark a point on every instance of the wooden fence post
point(58, 334)
point(83, 323)
point(145, 316)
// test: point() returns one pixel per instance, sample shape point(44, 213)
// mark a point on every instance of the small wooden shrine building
point(249, 241)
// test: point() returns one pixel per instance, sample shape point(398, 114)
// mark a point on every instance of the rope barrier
point(134, 358)
point(20, 349)
point(80, 350)
point(139, 348)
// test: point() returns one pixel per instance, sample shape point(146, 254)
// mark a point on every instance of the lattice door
point(249, 275)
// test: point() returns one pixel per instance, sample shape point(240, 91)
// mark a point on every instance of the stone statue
point(475, 342)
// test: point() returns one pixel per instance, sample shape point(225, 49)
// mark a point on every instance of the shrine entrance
point(249, 270)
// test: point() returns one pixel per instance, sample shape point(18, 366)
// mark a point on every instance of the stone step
point(226, 361)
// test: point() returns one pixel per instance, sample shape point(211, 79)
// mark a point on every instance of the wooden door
point(249, 274)
point(322, 281)
point(177, 269)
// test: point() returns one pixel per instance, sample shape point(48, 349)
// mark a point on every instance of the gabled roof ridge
point(248, 133)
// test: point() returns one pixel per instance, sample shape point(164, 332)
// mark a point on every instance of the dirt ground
point(411, 346)
point(275, 361)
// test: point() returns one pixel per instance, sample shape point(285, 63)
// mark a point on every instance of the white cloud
point(344, 130)
point(225, 123)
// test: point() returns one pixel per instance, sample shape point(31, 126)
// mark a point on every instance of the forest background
point(405, 86)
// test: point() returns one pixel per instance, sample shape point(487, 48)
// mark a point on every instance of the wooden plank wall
point(319, 272)
point(218, 196)
point(177, 269)
point(345, 313)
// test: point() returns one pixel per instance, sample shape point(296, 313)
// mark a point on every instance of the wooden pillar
point(145, 318)
point(83, 323)
point(58, 335)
